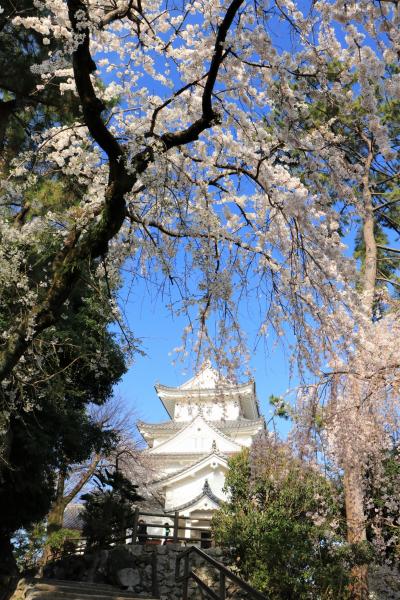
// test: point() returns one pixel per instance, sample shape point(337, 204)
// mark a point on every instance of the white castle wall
point(212, 410)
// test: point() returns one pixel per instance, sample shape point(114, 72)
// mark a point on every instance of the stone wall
point(130, 567)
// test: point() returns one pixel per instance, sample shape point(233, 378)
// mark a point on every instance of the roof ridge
point(220, 432)
point(231, 386)
point(177, 433)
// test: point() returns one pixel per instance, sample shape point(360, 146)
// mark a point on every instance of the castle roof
point(72, 518)
point(150, 430)
point(206, 378)
point(208, 384)
point(184, 440)
point(205, 494)
point(215, 456)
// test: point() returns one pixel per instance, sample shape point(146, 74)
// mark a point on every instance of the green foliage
point(29, 110)
point(281, 408)
point(321, 109)
point(282, 523)
point(57, 431)
point(79, 361)
point(58, 541)
point(109, 509)
point(28, 546)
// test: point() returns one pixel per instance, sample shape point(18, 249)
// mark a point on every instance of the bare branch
point(387, 249)
point(386, 204)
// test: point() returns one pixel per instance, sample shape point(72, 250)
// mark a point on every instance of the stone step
point(81, 586)
point(77, 590)
point(67, 595)
point(52, 583)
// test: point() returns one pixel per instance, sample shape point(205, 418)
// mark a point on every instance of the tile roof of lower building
point(184, 455)
point(72, 518)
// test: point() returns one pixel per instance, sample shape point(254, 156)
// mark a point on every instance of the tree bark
point(353, 469)
point(94, 241)
point(89, 244)
point(356, 531)
point(55, 516)
point(8, 565)
point(371, 250)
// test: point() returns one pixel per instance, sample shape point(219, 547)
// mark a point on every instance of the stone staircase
point(52, 589)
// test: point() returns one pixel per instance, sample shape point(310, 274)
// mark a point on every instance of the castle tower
point(210, 420)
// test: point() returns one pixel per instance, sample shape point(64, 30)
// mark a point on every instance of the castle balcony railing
point(175, 529)
point(162, 528)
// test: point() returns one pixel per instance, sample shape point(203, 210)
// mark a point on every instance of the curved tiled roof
point(185, 455)
point(187, 424)
point(206, 492)
point(188, 467)
point(206, 378)
point(204, 391)
point(209, 383)
point(172, 425)
point(213, 426)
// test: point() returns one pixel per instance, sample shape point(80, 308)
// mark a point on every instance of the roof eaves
point(188, 467)
point(206, 492)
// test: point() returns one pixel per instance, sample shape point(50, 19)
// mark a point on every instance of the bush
point(282, 524)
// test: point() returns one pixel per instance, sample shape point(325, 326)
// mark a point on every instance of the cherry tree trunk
point(55, 516)
point(353, 470)
point(356, 530)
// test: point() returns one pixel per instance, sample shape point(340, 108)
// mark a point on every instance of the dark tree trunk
point(356, 527)
point(8, 565)
point(55, 516)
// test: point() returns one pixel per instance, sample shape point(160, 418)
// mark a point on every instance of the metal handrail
point(224, 573)
point(79, 545)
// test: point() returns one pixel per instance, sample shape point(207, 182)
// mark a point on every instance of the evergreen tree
point(109, 509)
point(283, 524)
point(26, 106)
point(52, 430)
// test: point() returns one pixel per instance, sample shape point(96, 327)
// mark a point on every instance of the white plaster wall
point(212, 410)
point(171, 467)
point(197, 437)
point(160, 439)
